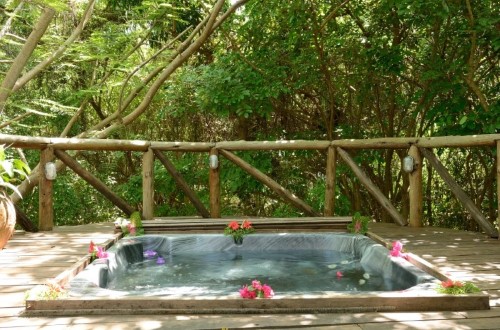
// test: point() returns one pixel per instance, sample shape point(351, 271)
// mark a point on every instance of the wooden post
point(416, 194)
point(498, 185)
point(45, 200)
point(214, 185)
point(331, 164)
point(148, 185)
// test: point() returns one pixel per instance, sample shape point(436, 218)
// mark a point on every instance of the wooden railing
point(418, 149)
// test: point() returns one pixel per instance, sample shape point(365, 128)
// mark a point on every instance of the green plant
point(49, 291)
point(12, 170)
point(238, 231)
point(457, 287)
point(136, 220)
point(359, 224)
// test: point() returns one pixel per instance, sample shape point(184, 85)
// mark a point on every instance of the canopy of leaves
point(300, 69)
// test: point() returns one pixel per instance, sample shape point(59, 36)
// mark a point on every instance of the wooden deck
point(33, 258)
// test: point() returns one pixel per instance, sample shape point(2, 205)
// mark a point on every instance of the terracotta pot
point(7, 219)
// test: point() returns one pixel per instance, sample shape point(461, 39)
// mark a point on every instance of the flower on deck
point(131, 229)
point(96, 252)
point(457, 287)
point(101, 253)
point(256, 290)
point(91, 247)
point(450, 283)
point(396, 251)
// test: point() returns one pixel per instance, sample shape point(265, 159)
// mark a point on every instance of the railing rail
point(419, 148)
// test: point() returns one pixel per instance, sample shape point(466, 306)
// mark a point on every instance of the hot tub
point(202, 273)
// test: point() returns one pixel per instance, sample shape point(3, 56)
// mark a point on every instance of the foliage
point(49, 291)
point(457, 287)
point(12, 170)
point(359, 224)
point(301, 70)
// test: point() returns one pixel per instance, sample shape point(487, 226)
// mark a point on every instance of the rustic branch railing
point(417, 147)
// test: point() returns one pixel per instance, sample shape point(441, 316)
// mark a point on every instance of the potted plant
point(11, 171)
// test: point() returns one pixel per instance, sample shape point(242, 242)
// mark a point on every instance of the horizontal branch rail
point(226, 148)
point(19, 141)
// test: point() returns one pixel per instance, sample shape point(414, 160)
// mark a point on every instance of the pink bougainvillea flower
point(256, 285)
point(357, 226)
point(397, 245)
point(246, 224)
point(397, 248)
point(395, 253)
point(256, 290)
point(268, 291)
point(131, 229)
point(245, 292)
point(339, 274)
point(101, 253)
point(234, 225)
point(91, 247)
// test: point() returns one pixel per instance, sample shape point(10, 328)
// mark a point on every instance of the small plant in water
point(238, 231)
point(256, 290)
point(457, 287)
point(359, 224)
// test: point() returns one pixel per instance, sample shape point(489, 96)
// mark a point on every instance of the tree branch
point(23, 56)
point(45, 63)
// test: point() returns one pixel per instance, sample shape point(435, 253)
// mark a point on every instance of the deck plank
point(31, 258)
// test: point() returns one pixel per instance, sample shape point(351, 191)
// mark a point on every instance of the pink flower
point(357, 226)
point(268, 291)
point(246, 224)
point(397, 245)
point(395, 253)
point(91, 247)
point(234, 225)
point(256, 290)
point(450, 284)
point(101, 253)
point(339, 274)
point(131, 229)
point(256, 285)
point(247, 293)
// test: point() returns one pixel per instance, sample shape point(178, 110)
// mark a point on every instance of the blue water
point(216, 273)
